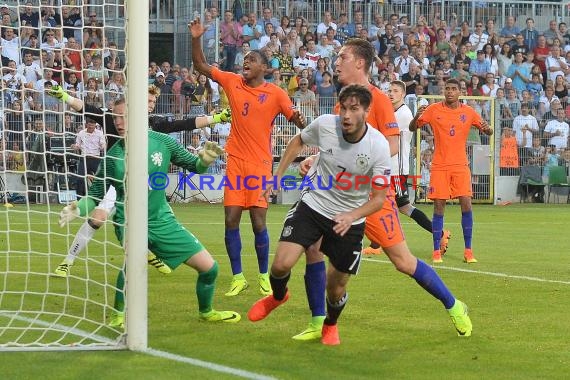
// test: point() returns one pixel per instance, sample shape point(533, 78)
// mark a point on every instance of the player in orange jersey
point(450, 177)
point(352, 66)
point(254, 104)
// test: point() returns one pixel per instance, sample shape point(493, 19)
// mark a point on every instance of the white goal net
point(81, 46)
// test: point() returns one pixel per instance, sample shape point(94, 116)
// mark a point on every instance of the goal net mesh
point(80, 45)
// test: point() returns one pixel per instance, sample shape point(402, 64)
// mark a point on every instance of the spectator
point(462, 55)
point(530, 34)
point(252, 32)
point(519, 46)
point(556, 65)
point(557, 131)
point(552, 32)
point(513, 102)
point(541, 53)
point(284, 28)
point(112, 61)
point(238, 63)
point(344, 30)
point(551, 158)
point(325, 24)
point(478, 38)
point(229, 35)
point(267, 18)
point(508, 154)
point(460, 73)
point(209, 39)
point(536, 154)
point(480, 66)
point(519, 74)
point(29, 17)
point(10, 46)
point(91, 143)
point(30, 69)
point(510, 30)
point(525, 126)
point(302, 61)
point(306, 101)
point(535, 89)
point(561, 89)
point(326, 94)
point(404, 61)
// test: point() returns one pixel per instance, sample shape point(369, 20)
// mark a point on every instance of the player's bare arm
point(413, 124)
point(306, 164)
point(394, 143)
point(200, 64)
point(292, 151)
point(298, 119)
point(486, 128)
point(344, 220)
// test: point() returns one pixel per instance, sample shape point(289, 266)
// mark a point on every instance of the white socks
point(83, 236)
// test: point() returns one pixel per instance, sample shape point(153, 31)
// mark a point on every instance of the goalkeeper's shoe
point(445, 236)
point(468, 256)
point(330, 335)
point(158, 263)
point(262, 308)
point(459, 315)
point(314, 331)
point(436, 257)
point(63, 269)
point(223, 116)
point(238, 285)
point(264, 284)
point(117, 319)
point(220, 316)
point(372, 251)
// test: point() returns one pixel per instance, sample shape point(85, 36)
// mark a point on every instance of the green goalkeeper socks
point(120, 292)
point(205, 286)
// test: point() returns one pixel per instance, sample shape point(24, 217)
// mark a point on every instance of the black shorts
point(400, 186)
point(305, 226)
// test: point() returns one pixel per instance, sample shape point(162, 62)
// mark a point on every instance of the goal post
point(136, 202)
point(40, 311)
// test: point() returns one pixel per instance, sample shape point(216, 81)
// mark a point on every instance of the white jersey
point(368, 158)
point(401, 161)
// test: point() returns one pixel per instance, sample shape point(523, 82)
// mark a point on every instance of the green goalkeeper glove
point(224, 116)
point(210, 152)
point(59, 92)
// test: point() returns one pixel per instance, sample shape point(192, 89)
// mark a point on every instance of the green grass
point(518, 296)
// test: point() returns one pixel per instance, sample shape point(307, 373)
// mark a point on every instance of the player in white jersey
point(401, 168)
point(357, 156)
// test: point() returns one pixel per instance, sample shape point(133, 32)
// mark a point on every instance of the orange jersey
point(381, 114)
point(450, 131)
point(253, 111)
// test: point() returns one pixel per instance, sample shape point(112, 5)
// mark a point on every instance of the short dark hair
point(453, 81)
point(361, 93)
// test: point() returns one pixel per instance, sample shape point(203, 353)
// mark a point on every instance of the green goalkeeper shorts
point(169, 241)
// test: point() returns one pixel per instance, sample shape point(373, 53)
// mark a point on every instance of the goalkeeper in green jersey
point(106, 206)
point(167, 238)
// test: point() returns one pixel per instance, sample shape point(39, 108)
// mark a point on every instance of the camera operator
point(91, 142)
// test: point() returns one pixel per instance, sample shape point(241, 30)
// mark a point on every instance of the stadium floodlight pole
point(136, 202)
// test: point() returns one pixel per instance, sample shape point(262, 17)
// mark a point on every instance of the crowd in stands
point(526, 70)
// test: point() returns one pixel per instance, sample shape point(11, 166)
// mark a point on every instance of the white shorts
point(108, 202)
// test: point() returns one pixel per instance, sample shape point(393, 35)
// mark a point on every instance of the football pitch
point(518, 294)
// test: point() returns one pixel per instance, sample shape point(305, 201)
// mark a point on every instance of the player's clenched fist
point(68, 213)
point(210, 152)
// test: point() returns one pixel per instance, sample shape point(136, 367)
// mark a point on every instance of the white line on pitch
point(152, 352)
point(208, 365)
point(494, 274)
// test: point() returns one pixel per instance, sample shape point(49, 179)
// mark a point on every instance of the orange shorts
point(248, 182)
point(450, 183)
point(383, 227)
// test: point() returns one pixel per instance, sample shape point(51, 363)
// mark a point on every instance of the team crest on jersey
point(156, 158)
point(262, 98)
point(462, 118)
point(362, 161)
point(287, 230)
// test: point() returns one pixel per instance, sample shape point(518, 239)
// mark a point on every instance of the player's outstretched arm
point(414, 123)
point(166, 125)
point(59, 92)
point(197, 29)
point(486, 128)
